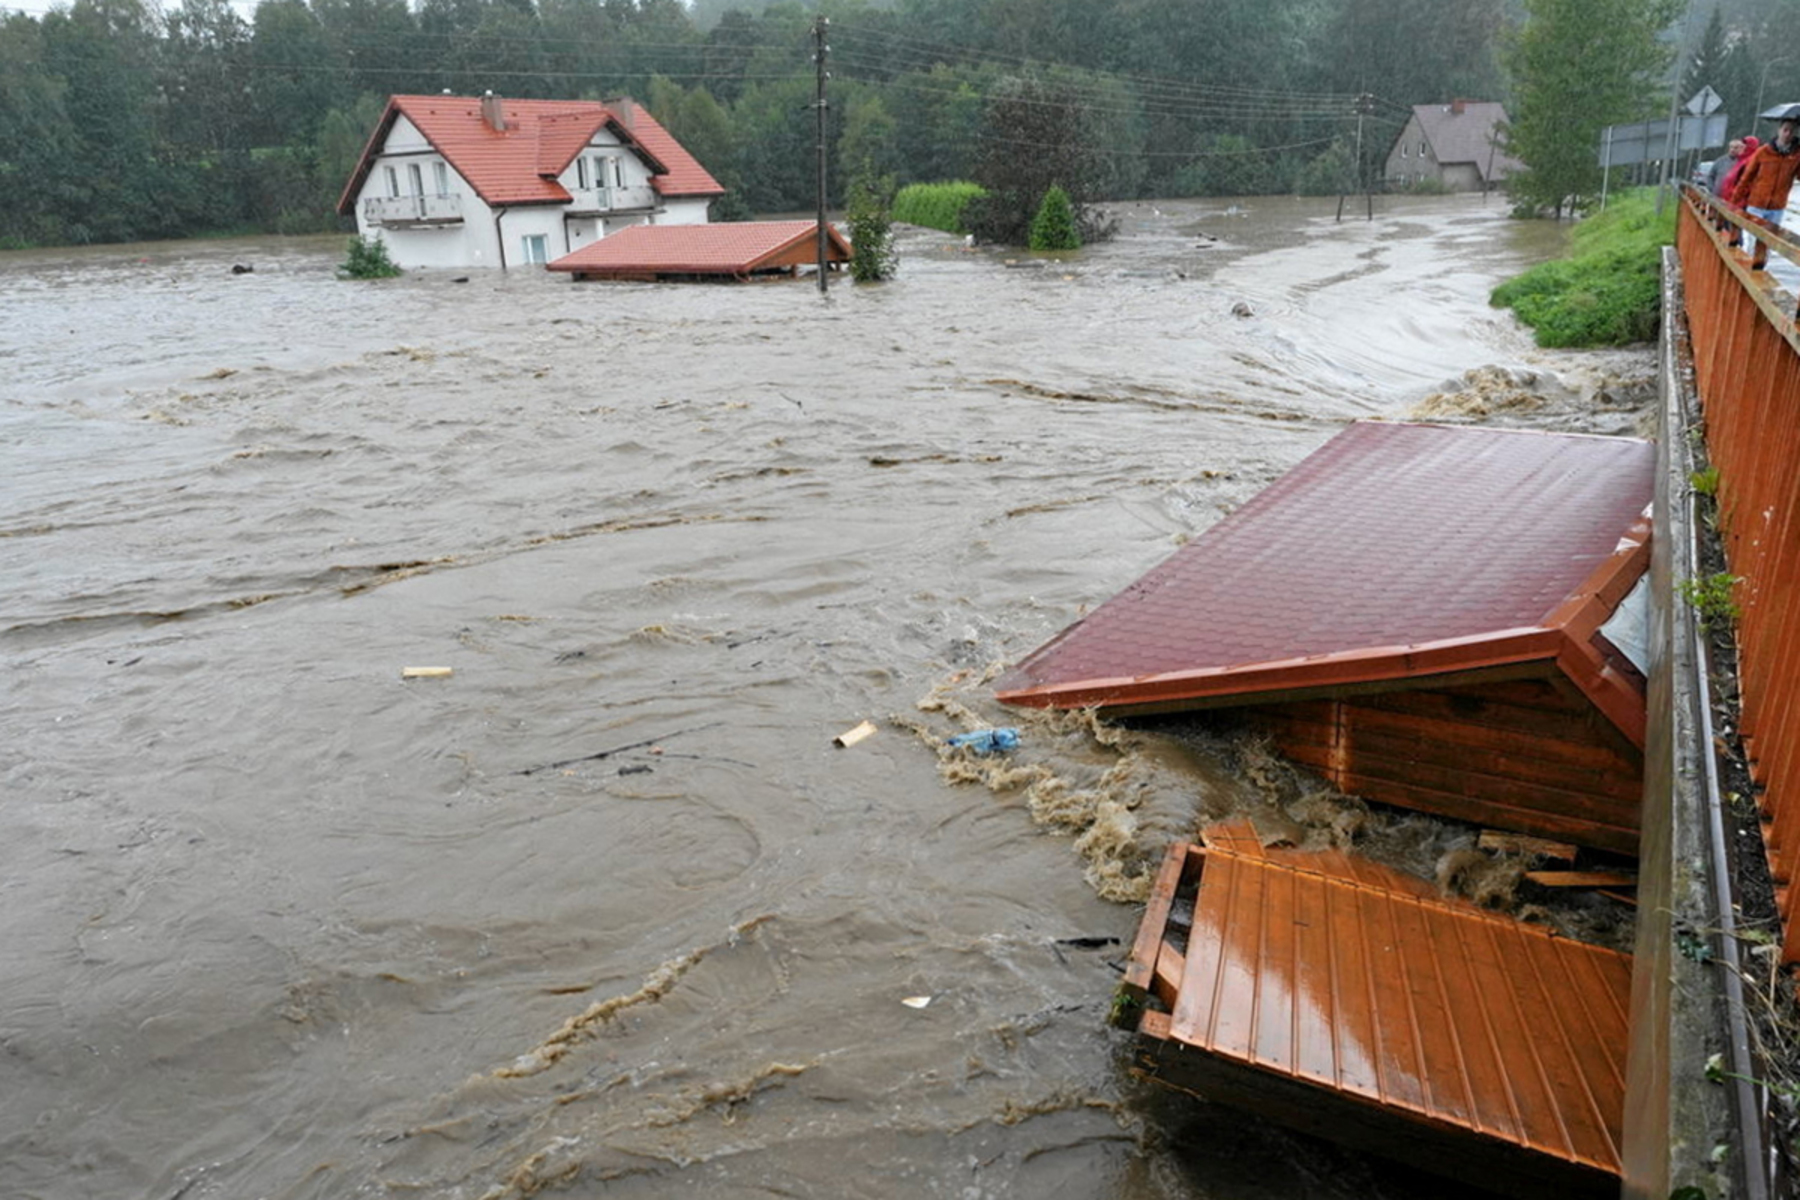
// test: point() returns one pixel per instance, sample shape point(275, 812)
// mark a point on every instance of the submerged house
point(736, 250)
point(1439, 618)
point(467, 181)
point(1455, 144)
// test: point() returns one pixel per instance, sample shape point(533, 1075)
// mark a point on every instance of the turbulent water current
point(604, 911)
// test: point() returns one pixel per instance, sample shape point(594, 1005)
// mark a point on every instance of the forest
point(121, 120)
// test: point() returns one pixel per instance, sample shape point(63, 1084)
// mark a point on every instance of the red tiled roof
point(1395, 550)
point(734, 248)
point(520, 165)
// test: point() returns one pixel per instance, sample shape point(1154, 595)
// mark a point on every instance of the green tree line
point(121, 119)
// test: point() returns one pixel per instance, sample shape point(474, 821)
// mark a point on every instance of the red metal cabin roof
point(734, 248)
point(1393, 551)
point(1364, 988)
point(520, 165)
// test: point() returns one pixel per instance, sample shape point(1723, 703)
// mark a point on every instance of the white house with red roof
point(478, 181)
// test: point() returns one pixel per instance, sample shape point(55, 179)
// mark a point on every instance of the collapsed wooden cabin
point(1444, 619)
point(1429, 616)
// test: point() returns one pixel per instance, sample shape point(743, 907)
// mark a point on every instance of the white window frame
point(440, 172)
point(393, 181)
point(415, 178)
point(535, 247)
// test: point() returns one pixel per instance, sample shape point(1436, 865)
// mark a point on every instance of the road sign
point(1648, 141)
point(1705, 102)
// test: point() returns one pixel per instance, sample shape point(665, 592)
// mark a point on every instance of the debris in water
point(985, 741)
point(852, 736)
point(1242, 309)
point(427, 672)
point(916, 1001)
point(583, 1025)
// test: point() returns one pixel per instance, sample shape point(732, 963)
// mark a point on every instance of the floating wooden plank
point(1342, 997)
point(427, 672)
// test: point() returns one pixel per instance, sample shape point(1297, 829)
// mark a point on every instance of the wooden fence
point(1747, 373)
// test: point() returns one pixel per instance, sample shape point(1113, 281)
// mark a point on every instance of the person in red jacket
point(1764, 183)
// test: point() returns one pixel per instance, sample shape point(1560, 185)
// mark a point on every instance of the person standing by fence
point(1764, 183)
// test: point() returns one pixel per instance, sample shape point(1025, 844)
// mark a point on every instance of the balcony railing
point(588, 201)
point(402, 211)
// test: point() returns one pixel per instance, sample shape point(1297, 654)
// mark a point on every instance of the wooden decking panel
point(1339, 972)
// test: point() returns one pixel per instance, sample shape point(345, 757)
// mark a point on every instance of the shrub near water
point(1608, 291)
point(368, 260)
point(935, 205)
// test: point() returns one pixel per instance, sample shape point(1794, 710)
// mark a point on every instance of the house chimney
point(490, 112)
point(626, 110)
point(1456, 107)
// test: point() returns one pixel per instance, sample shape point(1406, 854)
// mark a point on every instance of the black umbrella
point(1783, 112)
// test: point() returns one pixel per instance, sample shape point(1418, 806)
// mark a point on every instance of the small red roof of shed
point(1394, 551)
point(542, 137)
point(732, 248)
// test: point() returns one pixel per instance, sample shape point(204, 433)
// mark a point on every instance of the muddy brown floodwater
point(278, 923)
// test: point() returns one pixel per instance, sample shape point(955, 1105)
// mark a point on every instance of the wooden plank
point(1600, 835)
point(1141, 966)
point(1582, 879)
point(1573, 741)
point(1620, 786)
point(1171, 965)
point(1519, 843)
point(1509, 755)
point(1512, 793)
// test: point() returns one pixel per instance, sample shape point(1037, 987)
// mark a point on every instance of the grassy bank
point(1607, 292)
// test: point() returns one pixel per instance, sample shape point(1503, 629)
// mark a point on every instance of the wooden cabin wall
point(1528, 755)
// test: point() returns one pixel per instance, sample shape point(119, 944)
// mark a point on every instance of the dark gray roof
point(1467, 136)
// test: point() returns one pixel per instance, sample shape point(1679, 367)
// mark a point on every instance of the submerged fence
point(1747, 372)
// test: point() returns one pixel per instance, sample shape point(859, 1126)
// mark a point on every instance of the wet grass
point(1607, 291)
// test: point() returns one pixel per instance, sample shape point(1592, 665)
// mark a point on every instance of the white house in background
point(478, 181)
point(1456, 144)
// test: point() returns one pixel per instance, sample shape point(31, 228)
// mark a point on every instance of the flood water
point(605, 911)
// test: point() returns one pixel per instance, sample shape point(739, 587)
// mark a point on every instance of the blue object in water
point(987, 741)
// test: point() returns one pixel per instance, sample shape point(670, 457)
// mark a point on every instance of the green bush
point(872, 256)
point(936, 205)
point(1053, 228)
point(1608, 291)
point(368, 260)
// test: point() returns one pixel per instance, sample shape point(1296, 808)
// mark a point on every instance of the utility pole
point(1365, 104)
point(819, 49)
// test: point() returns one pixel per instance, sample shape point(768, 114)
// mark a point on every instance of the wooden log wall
point(1530, 755)
point(1747, 373)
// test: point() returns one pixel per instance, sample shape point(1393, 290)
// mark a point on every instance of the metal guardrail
point(1747, 373)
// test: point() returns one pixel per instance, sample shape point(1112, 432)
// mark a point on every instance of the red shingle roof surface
point(520, 165)
point(1388, 538)
point(732, 248)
